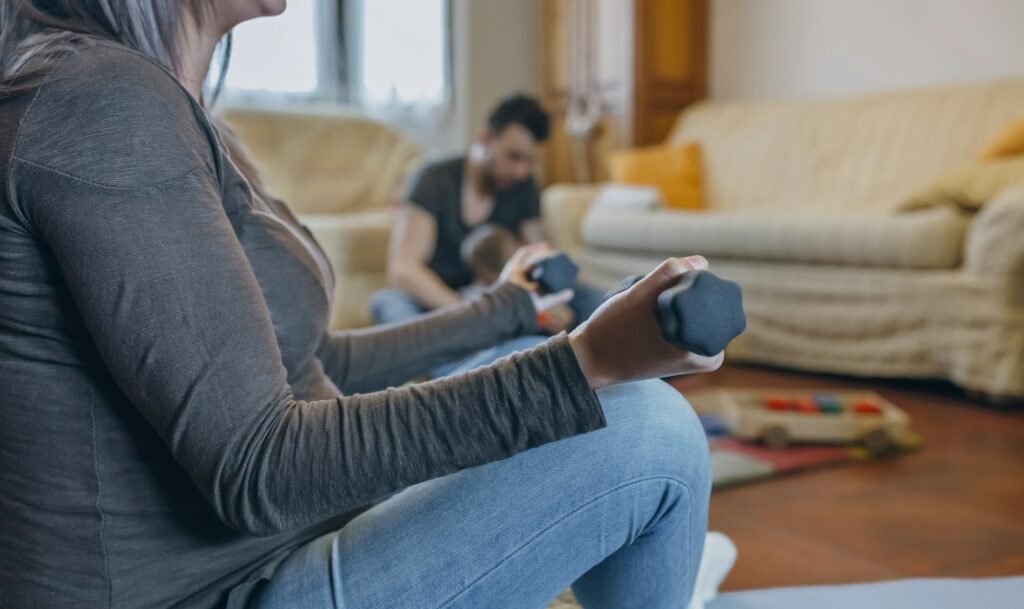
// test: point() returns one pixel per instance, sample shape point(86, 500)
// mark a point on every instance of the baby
point(485, 251)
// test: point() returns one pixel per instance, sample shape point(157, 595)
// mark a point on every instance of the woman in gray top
point(178, 428)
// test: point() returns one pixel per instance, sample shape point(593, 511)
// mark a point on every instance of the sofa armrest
point(357, 246)
point(995, 245)
point(562, 209)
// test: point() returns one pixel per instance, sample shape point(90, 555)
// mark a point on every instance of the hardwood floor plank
point(953, 508)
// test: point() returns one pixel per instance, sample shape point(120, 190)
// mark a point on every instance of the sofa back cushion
point(326, 163)
point(925, 239)
point(855, 154)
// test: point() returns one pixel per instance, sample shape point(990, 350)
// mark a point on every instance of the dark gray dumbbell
point(554, 273)
point(702, 313)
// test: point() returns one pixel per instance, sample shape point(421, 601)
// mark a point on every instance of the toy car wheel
point(775, 437)
point(878, 442)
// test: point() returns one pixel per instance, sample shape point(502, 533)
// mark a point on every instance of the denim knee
point(655, 433)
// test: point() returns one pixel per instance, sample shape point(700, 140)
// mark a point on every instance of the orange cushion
point(1008, 142)
point(674, 170)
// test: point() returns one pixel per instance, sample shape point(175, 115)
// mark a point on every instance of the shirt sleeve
point(381, 356)
point(425, 191)
point(117, 173)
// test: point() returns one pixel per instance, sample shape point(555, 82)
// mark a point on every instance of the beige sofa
point(807, 210)
point(341, 175)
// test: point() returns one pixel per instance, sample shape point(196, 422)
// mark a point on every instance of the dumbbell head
point(554, 273)
point(702, 313)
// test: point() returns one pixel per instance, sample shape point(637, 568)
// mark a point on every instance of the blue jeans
point(619, 514)
point(388, 305)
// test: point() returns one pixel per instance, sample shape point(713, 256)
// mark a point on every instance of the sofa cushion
point(970, 186)
point(357, 246)
point(928, 238)
point(321, 164)
point(850, 154)
point(673, 170)
point(1008, 142)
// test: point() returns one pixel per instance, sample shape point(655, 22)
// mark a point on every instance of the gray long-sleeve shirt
point(171, 411)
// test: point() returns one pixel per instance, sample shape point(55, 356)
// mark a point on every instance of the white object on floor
point(715, 563)
point(625, 197)
point(988, 593)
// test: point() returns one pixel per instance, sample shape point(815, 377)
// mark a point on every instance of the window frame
point(338, 40)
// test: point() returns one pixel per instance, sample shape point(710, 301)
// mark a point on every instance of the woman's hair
point(34, 33)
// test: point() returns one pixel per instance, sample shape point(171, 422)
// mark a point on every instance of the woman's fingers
point(623, 340)
point(700, 363)
point(668, 273)
point(697, 263)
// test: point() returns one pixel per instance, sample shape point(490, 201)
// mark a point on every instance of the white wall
point(779, 49)
point(495, 51)
point(496, 48)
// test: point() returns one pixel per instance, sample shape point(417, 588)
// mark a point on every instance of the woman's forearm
point(373, 358)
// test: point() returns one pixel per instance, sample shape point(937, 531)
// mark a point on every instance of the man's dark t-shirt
point(437, 188)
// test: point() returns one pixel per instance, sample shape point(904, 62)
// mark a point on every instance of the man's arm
point(413, 240)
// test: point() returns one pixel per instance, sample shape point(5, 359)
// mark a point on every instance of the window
point(379, 54)
point(280, 55)
point(402, 60)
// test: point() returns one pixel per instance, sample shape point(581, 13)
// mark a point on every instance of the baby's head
point(486, 250)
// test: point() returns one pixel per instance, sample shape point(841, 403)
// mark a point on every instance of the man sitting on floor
point(492, 184)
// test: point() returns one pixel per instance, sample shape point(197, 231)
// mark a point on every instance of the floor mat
point(989, 593)
point(927, 593)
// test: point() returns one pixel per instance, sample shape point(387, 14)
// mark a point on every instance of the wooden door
point(670, 63)
point(639, 61)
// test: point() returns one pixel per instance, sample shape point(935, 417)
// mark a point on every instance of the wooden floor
point(955, 508)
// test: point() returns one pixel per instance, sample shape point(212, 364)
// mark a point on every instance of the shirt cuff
point(516, 300)
point(581, 410)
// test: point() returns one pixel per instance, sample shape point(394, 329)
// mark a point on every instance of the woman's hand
point(622, 340)
point(516, 271)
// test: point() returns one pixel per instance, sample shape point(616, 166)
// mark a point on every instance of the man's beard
point(490, 184)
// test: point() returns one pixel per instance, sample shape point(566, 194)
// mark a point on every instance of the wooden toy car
point(779, 418)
